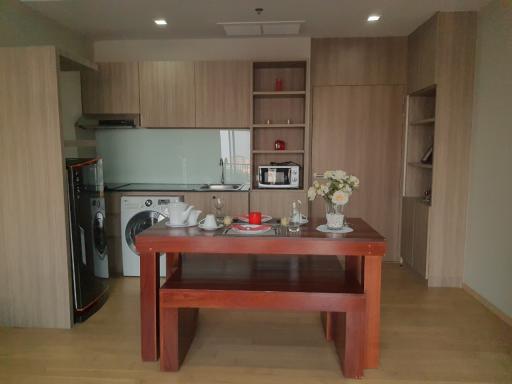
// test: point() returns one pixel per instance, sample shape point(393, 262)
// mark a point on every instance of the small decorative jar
point(279, 145)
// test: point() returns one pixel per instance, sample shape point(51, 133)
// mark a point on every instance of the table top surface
point(362, 232)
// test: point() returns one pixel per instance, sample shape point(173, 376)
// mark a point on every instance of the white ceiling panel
point(133, 19)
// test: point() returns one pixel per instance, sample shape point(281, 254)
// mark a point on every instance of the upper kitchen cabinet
point(223, 94)
point(358, 61)
point(113, 89)
point(167, 94)
point(422, 47)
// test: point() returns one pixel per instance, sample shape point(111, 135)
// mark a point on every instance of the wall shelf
point(279, 93)
point(283, 125)
point(420, 165)
point(278, 107)
point(259, 151)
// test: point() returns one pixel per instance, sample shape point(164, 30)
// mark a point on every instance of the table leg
point(353, 267)
point(353, 270)
point(372, 267)
point(172, 261)
point(149, 287)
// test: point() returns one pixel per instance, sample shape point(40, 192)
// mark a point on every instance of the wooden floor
point(428, 336)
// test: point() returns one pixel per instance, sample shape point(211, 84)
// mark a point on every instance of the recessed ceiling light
point(373, 18)
point(160, 22)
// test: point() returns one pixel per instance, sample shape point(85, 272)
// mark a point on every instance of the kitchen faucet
point(221, 163)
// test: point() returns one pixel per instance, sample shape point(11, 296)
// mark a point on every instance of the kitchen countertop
point(149, 187)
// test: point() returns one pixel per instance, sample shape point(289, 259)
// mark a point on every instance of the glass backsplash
point(176, 156)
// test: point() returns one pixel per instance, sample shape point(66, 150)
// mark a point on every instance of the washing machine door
point(140, 222)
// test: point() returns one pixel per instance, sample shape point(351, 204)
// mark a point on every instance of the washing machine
point(138, 213)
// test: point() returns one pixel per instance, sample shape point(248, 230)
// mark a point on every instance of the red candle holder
point(255, 217)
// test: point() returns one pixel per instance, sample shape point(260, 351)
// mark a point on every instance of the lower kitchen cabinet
point(114, 232)
point(414, 240)
point(277, 203)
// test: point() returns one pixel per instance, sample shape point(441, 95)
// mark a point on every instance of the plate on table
point(186, 225)
point(245, 218)
point(251, 229)
point(210, 228)
point(323, 228)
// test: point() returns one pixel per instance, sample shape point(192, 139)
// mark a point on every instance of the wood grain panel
point(264, 138)
point(360, 130)
point(167, 94)
point(278, 109)
point(291, 74)
point(421, 236)
point(407, 231)
point(223, 94)
point(114, 88)
point(419, 138)
point(358, 61)
point(455, 71)
point(421, 56)
point(34, 272)
point(277, 203)
point(114, 232)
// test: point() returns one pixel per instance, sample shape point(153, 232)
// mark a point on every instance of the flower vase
point(334, 215)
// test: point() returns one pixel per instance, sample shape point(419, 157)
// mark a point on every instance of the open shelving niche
point(280, 115)
point(420, 124)
point(419, 137)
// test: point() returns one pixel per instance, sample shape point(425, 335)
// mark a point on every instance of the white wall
point(488, 256)
point(203, 49)
point(22, 26)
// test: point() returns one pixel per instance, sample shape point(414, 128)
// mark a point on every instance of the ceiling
point(133, 19)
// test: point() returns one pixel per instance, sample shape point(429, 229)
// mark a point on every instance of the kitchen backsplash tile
point(174, 155)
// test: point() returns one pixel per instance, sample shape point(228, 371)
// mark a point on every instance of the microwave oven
point(278, 176)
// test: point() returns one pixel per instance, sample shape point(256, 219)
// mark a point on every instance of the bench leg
point(349, 332)
point(177, 330)
point(327, 319)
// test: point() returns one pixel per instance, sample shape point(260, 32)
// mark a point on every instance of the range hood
point(108, 122)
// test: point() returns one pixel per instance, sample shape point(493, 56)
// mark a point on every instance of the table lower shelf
point(309, 274)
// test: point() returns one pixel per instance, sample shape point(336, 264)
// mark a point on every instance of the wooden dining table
point(363, 249)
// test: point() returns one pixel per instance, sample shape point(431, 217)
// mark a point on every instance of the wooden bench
point(305, 283)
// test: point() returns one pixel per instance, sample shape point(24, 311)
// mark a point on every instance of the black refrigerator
point(89, 256)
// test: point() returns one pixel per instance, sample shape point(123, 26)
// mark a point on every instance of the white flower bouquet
point(336, 191)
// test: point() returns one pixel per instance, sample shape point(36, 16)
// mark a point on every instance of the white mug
point(209, 221)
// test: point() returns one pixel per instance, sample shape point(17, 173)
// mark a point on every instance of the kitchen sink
point(221, 187)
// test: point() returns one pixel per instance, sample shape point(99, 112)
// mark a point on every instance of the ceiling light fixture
point(160, 22)
point(373, 18)
point(257, 28)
